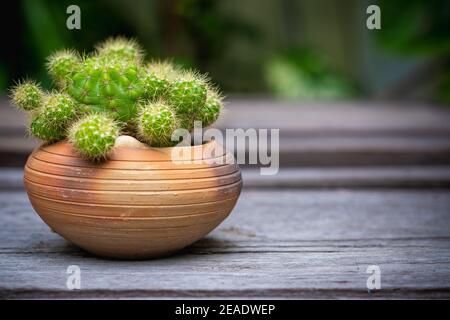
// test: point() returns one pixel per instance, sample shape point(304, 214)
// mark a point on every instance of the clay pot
point(140, 203)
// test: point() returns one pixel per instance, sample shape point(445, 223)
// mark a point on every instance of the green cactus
point(156, 122)
point(51, 119)
point(120, 48)
point(113, 90)
point(41, 129)
point(27, 95)
point(210, 111)
point(157, 78)
point(94, 135)
point(107, 85)
point(62, 65)
point(187, 95)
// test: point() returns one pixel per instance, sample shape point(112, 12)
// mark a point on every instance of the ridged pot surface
point(141, 203)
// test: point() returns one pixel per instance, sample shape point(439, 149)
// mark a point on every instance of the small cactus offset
point(62, 65)
point(94, 135)
point(157, 79)
point(113, 91)
point(27, 95)
point(187, 94)
point(51, 120)
point(211, 109)
point(120, 48)
point(156, 123)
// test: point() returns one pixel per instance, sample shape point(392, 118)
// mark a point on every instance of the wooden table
point(362, 184)
point(278, 243)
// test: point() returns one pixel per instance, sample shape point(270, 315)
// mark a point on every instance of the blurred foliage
point(304, 74)
point(419, 28)
point(210, 29)
point(247, 46)
point(194, 33)
point(41, 30)
point(416, 27)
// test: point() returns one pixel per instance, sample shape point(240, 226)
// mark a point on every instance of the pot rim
point(207, 150)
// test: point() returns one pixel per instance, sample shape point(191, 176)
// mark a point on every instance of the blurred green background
point(304, 50)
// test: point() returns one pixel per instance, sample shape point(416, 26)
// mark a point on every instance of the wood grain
point(276, 244)
point(132, 218)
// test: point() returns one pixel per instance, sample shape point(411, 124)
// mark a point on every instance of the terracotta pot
point(140, 203)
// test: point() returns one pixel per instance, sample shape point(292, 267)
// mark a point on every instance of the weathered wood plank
point(285, 243)
point(344, 177)
point(319, 134)
point(304, 117)
point(314, 177)
point(334, 117)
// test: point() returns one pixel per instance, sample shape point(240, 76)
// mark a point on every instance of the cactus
point(107, 85)
point(157, 78)
point(51, 119)
point(120, 48)
point(41, 129)
point(94, 136)
point(62, 65)
point(27, 95)
point(156, 122)
point(210, 111)
point(111, 91)
point(187, 95)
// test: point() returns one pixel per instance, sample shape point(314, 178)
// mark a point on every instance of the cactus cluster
point(114, 91)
